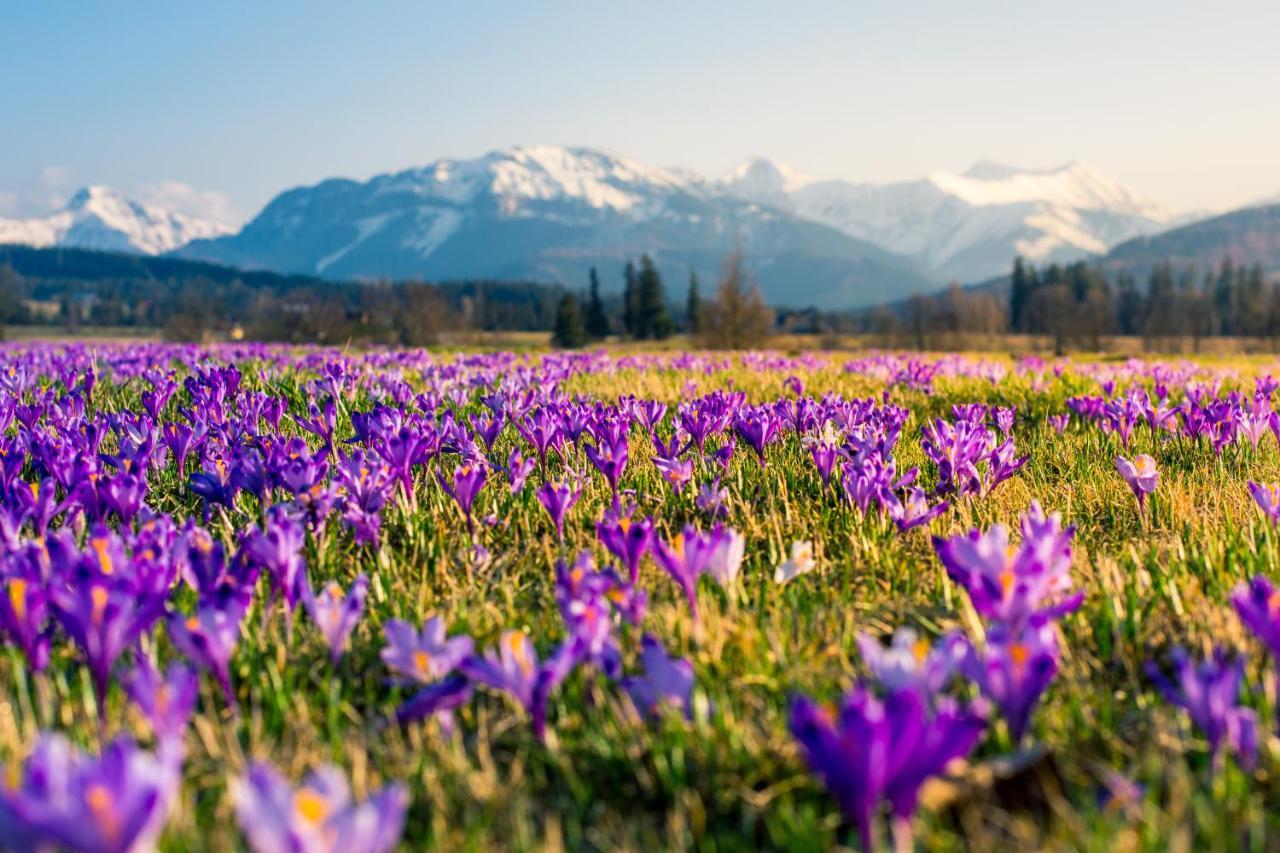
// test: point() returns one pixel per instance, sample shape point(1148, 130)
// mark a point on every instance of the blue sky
point(219, 106)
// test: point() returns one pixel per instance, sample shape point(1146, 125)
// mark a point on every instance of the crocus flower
point(1268, 499)
point(438, 700)
point(64, 799)
point(675, 471)
point(468, 480)
point(1140, 474)
point(911, 662)
point(165, 700)
point(515, 669)
point(423, 656)
point(557, 499)
point(726, 560)
point(610, 458)
point(1258, 605)
point(914, 511)
point(627, 539)
point(104, 617)
point(800, 562)
point(1060, 422)
point(277, 547)
point(1013, 670)
point(336, 612)
point(712, 498)
point(1012, 584)
point(24, 612)
point(666, 680)
point(873, 751)
point(319, 816)
point(208, 639)
point(518, 470)
point(1209, 692)
point(686, 556)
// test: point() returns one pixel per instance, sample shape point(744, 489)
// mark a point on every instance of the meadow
point(311, 599)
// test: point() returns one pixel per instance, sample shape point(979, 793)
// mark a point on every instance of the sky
point(214, 108)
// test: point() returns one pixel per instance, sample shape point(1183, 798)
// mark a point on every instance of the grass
point(731, 778)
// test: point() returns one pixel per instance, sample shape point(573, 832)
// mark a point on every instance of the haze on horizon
point(213, 111)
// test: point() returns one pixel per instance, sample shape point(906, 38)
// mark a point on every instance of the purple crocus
point(1209, 691)
point(518, 470)
point(1258, 605)
point(104, 617)
point(557, 498)
point(319, 815)
point(666, 681)
point(627, 539)
point(1012, 584)
point(468, 480)
point(610, 458)
point(209, 638)
point(1268, 499)
point(65, 799)
point(686, 556)
point(674, 470)
point(24, 608)
point(712, 499)
point(515, 669)
point(166, 700)
point(336, 612)
point(1013, 670)
point(421, 657)
point(1140, 474)
point(875, 750)
point(911, 662)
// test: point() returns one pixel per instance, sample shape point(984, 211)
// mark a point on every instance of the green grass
point(732, 779)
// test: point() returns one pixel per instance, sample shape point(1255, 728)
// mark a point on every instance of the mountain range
point(549, 213)
point(100, 218)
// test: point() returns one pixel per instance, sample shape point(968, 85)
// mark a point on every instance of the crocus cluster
point(1021, 591)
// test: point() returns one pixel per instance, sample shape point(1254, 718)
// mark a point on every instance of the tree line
point(736, 316)
point(1079, 304)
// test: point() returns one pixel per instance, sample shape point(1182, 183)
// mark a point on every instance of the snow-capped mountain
point(101, 218)
point(966, 227)
point(548, 213)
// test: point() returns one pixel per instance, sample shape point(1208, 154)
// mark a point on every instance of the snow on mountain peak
point(1072, 185)
point(98, 217)
point(763, 180)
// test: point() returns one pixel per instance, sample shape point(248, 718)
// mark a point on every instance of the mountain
point(101, 218)
point(549, 213)
point(1249, 236)
point(965, 227)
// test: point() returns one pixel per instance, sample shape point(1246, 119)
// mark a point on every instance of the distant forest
point(190, 300)
point(1079, 304)
point(1073, 305)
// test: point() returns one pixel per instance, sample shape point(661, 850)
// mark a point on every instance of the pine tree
point(693, 305)
point(630, 301)
point(1019, 293)
point(597, 320)
point(570, 333)
point(653, 320)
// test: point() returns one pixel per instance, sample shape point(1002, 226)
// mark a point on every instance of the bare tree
point(737, 317)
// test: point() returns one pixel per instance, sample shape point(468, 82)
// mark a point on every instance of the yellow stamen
point(920, 650)
point(518, 646)
point(310, 806)
point(18, 598)
point(422, 662)
point(100, 547)
point(98, 595)
point(1019, 654)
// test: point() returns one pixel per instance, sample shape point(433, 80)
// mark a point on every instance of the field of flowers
point(303, 600)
